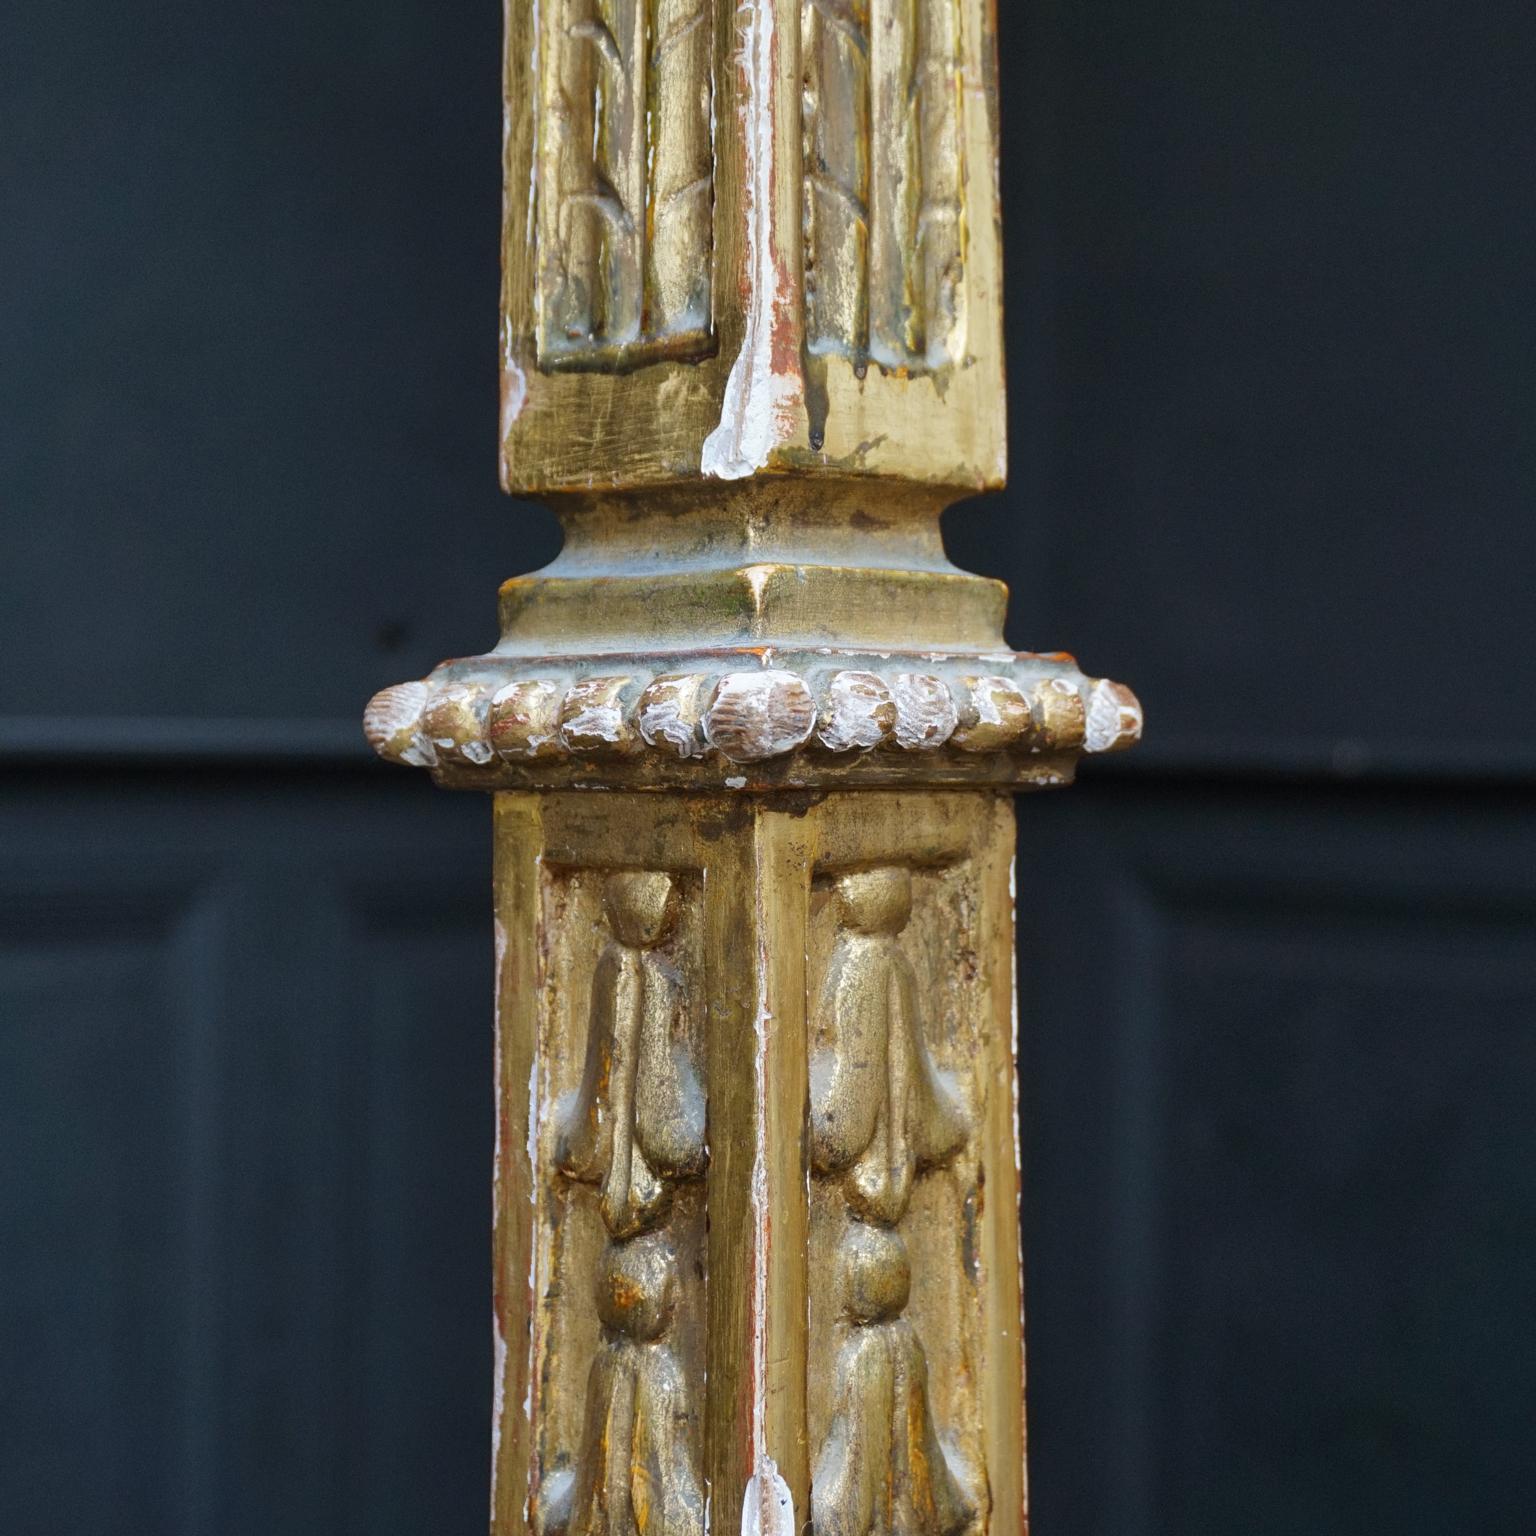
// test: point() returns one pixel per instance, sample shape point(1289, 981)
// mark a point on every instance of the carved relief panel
point(621, 1120)
point(624, 182)
point(756, 1207)
point(718, 216)
point(894, 1046)
point(884, 172)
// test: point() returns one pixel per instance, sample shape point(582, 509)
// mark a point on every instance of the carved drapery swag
point(750, 739)
point(879, 1109)
point(636, 1124)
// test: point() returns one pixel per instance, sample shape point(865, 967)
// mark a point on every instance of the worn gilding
point(752, 740)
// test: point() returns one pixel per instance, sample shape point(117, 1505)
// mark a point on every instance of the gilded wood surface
point(883, 155)
point(755, 237)
point(881, 1114)
point(737, 1051)
point(756, 1189)
point(625, 181)
point(633, 1130)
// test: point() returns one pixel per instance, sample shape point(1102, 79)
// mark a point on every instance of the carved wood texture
point(633, 1131)
point(625, 183)
point(752, 1096)
point(884, 227)
point(881, 1114)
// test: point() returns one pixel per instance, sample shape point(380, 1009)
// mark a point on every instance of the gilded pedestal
point(752, 741)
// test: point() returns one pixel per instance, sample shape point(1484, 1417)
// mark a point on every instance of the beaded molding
point(745, 717)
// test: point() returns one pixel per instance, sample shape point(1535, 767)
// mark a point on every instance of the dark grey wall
point(1271, 341)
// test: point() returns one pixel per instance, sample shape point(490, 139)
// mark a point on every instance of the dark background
point(1272, 332)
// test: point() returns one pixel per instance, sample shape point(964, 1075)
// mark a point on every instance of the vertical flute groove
point(625, 183)
point(894, 191)
point(938, 244)
point(682, 158)
point(834, 117)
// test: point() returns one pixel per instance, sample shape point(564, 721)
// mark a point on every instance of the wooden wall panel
point(245, 1042)
point(1278, 1055)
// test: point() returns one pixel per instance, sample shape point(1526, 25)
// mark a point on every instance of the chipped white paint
point(857, 712)
point(599, 722)
point(455, 719)
point(755, 715)
point(1114, 717)
point(736, 781)
point(994, 715)
point(669, 715)
point(533, 1129)
point(750, 715)
point(925, 712)
point(592, 716)
point(535, 1247)
point(498, 1400)
point(986, 692)
point(758, 399)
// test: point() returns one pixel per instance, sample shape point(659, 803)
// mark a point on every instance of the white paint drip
point(755, 396)
point(499, 1382)
point(514, 394)
point(1013, 1079)
point(767, 1507)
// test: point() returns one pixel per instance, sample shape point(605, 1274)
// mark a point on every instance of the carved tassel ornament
point(752, 740)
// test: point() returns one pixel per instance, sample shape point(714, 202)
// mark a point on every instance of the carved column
point(752, 740)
